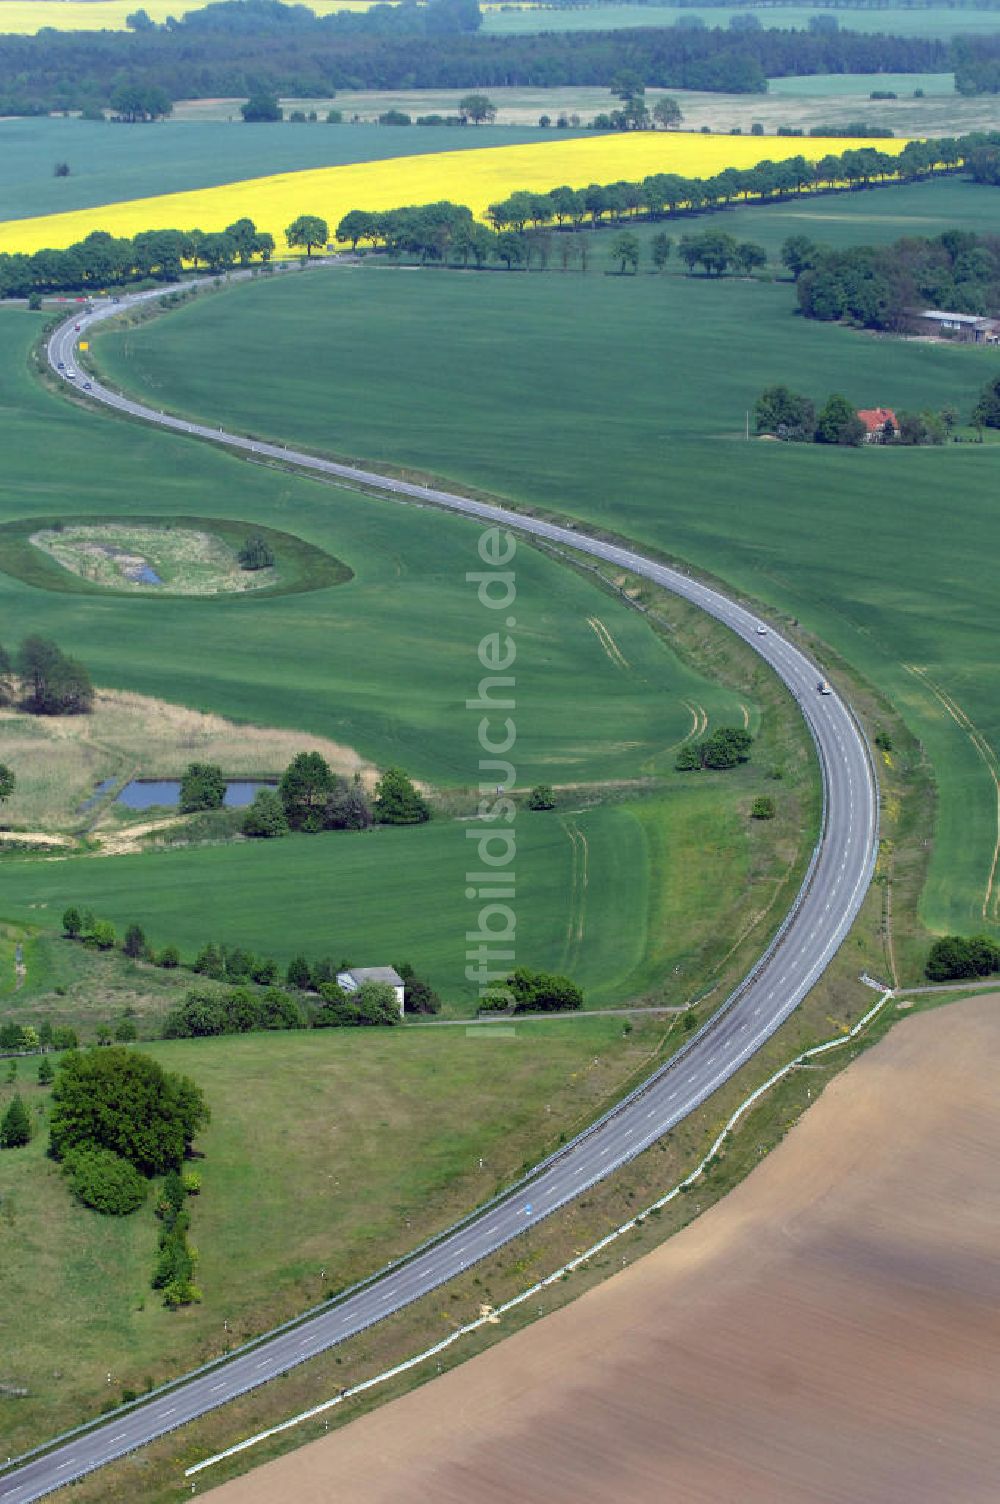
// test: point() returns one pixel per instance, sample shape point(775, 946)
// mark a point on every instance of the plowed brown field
point(828, 1334)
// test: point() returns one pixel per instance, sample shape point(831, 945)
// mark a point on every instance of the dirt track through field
point(828, 1334)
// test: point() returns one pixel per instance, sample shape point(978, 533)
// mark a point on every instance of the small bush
point(541, 797)
point(724, 748)
point(763, 807)
point(265, 818)
point(104, 1181)
point(134, 944)
point(103, 934)
point(169, 957)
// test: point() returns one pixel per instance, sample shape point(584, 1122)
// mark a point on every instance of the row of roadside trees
point(443, 232)
point(659, 194)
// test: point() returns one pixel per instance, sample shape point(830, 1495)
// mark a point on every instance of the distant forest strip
point(446, 232)
point(772, 5)
point(240, 47)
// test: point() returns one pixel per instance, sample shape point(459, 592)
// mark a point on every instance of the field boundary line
point(491, 1316)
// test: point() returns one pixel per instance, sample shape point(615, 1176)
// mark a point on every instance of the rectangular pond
point(152, 793)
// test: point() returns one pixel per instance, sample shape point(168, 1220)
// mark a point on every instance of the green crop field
point(383, 663)
point(524, 391)
point(604, 894)
point(902, 21)
point(110, 162)
point(302, 1172)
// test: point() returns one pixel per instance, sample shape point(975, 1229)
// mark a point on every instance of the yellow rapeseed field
point(476, 177)
point(24, 17)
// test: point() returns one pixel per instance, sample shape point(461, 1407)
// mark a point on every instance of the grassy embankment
point(853, 544)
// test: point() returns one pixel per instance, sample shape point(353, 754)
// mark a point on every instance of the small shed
point(880, 424)
point(358, 975)
point(965, 326)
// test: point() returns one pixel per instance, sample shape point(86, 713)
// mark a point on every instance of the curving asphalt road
point(826, 906)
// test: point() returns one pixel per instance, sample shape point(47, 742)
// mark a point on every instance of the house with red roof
point(880, 424)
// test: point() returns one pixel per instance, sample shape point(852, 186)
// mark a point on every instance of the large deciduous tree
point(202, 787)
point(477, 108)
point(305, 787)
point(838, 423)
point(308, 230)
point(123, 1100)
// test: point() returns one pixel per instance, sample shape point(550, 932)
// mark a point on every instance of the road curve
point(825, 908)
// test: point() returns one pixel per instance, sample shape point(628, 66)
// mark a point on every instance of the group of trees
point(256, 554)
point(122, 1102)
point(726, 747)
point(880, 287)
point(446, 232)
point(311, 797)
point(26, 1039)
point(273, 1009)
point(955, 957)
point(793, 417)
point(318, 1003)
point(102, 260)
point(45, 681)
point(132, 102)
point(519, 224)
point(117, 1121)
point(248, 46)
point(526, 991)
point(176, 1259)
point(976, 63)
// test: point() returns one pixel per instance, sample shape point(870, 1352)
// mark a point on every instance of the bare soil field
point(828, 1334)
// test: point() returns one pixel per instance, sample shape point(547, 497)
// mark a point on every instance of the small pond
point(148, 793)
point(104, 787)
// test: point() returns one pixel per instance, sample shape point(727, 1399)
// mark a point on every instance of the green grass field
point(522, 393)
point(383, 663)
point(601, 893)
point(901, 21)
point(303, 1171)
point(112, 162)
